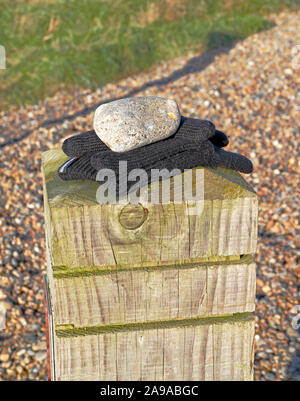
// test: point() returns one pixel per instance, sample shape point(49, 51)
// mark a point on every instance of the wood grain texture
point(93, 235)
point(153, 291)
point(194, 352)
point(157, 294)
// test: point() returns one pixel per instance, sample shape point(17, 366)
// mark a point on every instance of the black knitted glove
point(190, 129)
point(195, 143)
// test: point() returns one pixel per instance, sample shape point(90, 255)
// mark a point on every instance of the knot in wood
point(133, 216)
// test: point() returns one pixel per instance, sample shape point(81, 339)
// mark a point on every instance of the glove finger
point(219, 139)
point(84, 143)
point(146, 155)
point(233, 161)
point(195, 129)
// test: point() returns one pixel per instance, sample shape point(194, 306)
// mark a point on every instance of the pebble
point(41, 356)
point(40, 346)
point(130, 123)
point(4, 357)
point(291, 332)
point(270, 376)
point(266, 289)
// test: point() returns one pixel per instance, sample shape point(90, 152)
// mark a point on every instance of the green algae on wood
point(69, 330)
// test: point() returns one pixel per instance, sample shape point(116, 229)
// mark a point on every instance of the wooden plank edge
point(69, 330)
point(66, 272)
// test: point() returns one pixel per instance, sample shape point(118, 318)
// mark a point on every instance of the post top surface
point(219, 184)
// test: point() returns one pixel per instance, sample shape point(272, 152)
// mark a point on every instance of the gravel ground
point(250, 91)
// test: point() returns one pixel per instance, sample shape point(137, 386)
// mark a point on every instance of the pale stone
point(130, 123)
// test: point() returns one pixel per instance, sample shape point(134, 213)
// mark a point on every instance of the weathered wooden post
point(150, 293)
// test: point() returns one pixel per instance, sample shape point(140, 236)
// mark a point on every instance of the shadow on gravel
point(293, 370)
point(217, 42)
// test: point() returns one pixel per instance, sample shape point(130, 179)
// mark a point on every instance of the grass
point(66, 44)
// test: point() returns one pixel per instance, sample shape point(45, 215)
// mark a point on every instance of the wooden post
point(151, 292)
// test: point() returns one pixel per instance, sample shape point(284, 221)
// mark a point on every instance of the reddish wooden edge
point(47, 334)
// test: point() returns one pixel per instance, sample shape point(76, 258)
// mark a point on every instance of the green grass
point(66, 44)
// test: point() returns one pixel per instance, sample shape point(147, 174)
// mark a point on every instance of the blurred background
point(233, 62)
point(53, 45)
